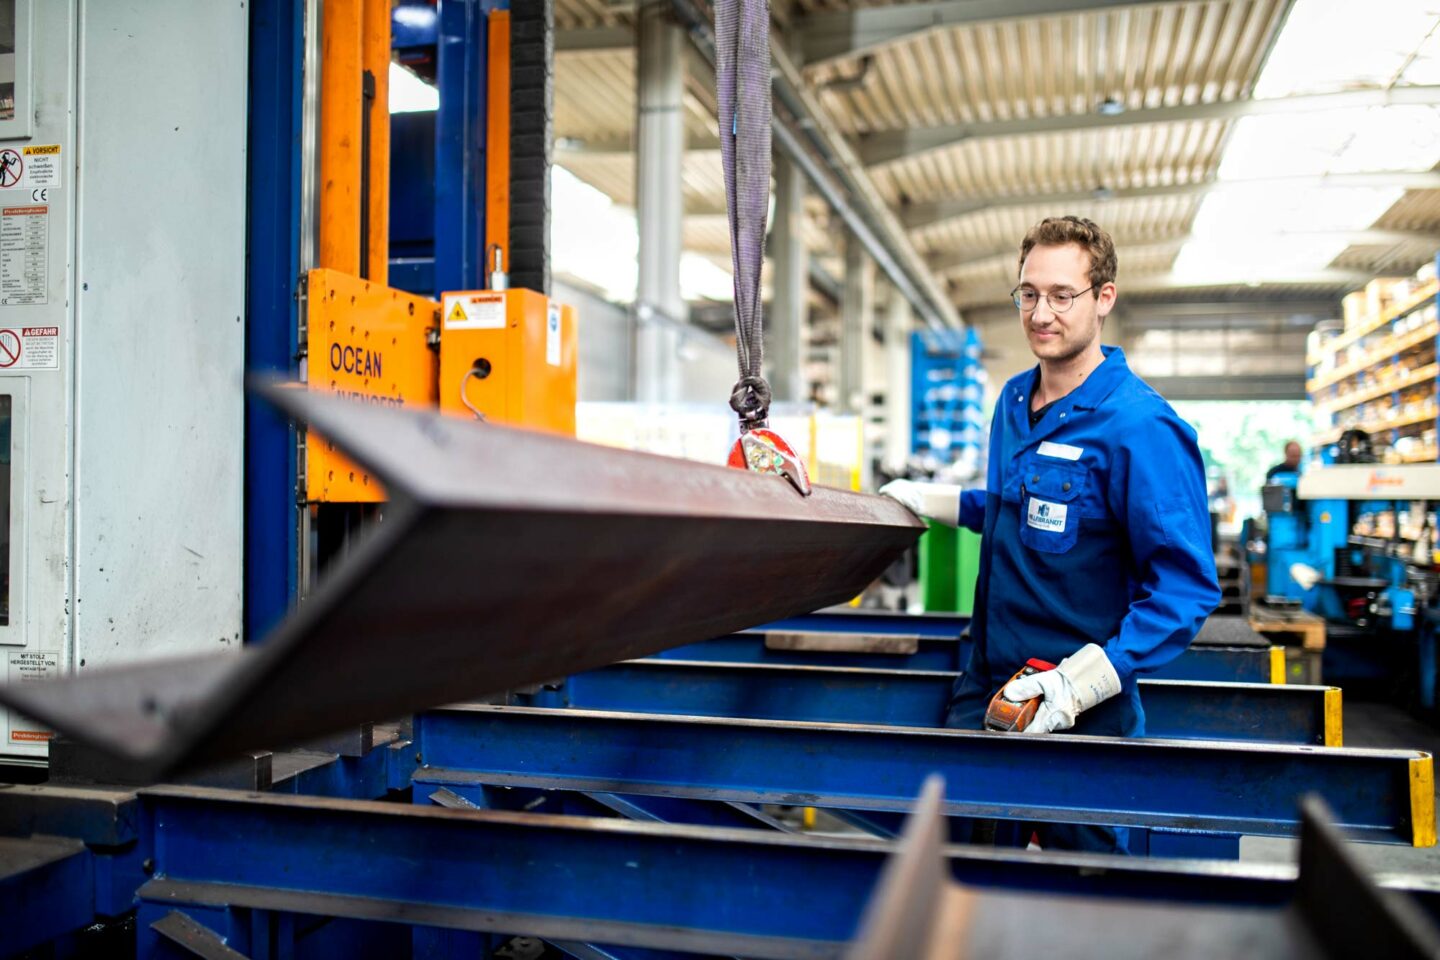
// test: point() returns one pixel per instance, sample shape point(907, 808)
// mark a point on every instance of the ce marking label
point(42, 195)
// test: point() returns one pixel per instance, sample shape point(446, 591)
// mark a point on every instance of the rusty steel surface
point(506, 557)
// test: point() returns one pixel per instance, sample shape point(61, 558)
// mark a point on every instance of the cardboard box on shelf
point(1353, 307)
point(1382, 293)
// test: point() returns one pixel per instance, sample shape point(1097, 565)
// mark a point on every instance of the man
point(1291, 463)
point(1096, 551)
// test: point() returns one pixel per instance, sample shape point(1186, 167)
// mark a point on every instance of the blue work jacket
point(1095, 529)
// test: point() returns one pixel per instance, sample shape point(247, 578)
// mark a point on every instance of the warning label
point(12, 168)
point(552, 335)
point(32, 667)
point(24, 255)
point(475, 311)
point(42, 166)
point(29, 348)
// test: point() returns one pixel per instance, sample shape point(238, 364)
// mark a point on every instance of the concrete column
point(857, 313)
point(898, 323)
point(659, 78)
point(789, 276)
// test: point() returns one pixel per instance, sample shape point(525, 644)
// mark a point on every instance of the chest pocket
point(1050, 494)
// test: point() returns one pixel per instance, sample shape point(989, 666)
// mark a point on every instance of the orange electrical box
point(510, 355)
point(369, 342)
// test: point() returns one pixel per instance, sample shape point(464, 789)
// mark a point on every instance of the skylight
point(410, 94)
point(1290, 225)
point(597, 242)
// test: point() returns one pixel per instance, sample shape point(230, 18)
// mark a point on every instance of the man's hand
point(934, 501)
point(1082, 680)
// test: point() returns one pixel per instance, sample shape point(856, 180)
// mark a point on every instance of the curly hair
point(1086, 234)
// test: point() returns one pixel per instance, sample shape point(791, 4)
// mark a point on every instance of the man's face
point(1292, 454)
point(1062, 269)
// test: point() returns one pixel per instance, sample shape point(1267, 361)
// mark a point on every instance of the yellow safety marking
point(1422, 800)
point(1277, 664)
point(457, 314)
point(808, 818)
point(1334, 737)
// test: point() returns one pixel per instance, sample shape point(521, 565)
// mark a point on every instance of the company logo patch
point(1043, 515)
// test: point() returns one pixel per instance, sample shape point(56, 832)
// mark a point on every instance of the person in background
point(1291, 463)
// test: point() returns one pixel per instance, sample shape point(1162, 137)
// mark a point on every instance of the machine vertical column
point(375, 238)
point(531, 146)
point(659, 77)
point(897, 381)
point(785, 323)
point(341, 135)
point(277, 51)
point(857, 309)
point(460, 148)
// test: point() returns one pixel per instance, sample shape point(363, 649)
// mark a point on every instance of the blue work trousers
point(1117, 717)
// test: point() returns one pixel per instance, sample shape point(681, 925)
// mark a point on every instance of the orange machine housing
point(511, 355)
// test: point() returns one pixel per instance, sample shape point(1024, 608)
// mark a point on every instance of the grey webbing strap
point(742, 76)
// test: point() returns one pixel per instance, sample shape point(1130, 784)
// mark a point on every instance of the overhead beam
point(879, 149)
point(1231, 387)
point(810, 139)
point(1164, 281)
point(594, 39)
point(957, 261)
point(827, 37)
point(625, 145)
point(920, 215)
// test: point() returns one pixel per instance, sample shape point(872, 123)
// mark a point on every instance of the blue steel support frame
point(1199, 663)
point(1205, 787)
point(752, 893)
point(1262, 713)
point(271, 334)
point(460, 157)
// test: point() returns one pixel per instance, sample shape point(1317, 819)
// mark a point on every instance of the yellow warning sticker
point(42, 169)
point(456, 314)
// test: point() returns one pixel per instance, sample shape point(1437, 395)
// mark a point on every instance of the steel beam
point(919, 911)
point(1174, 710)
point(955, 261)
point(878, 149)
point(506, 557)
point(1233, 788)
point(746, 892)
point(919, 215)
point(1220, 664)
point(47, 889)
point(850, 33)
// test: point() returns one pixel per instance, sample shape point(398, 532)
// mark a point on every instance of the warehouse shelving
point(1380, 376)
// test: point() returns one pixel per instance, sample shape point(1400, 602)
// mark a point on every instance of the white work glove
point(934, 501)
point(1082, 680)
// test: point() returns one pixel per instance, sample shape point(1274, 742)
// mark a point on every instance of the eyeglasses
point(1059, 300)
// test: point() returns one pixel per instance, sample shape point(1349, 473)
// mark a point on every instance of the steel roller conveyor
point(1206, 787)
point(915, 698)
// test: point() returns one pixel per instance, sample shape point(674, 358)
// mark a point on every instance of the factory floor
point(1380, 726)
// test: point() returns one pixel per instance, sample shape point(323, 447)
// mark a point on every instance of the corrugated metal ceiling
point(1169, 54)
